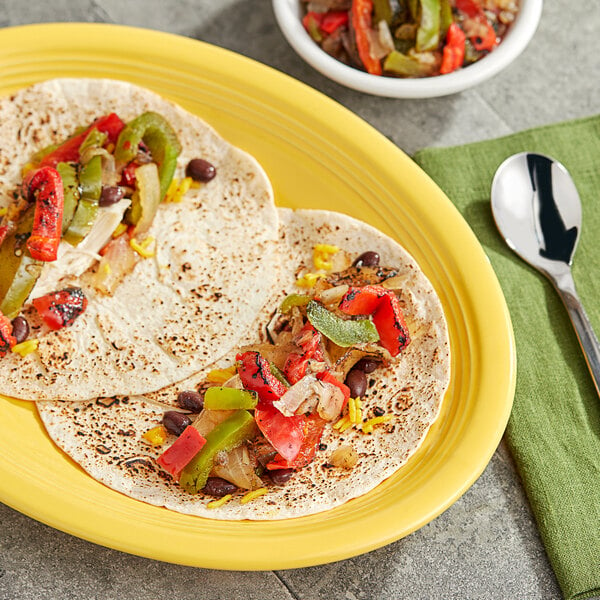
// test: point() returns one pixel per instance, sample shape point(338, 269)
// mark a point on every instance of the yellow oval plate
point(318, 155)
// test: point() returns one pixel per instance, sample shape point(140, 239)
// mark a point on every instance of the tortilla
point(104, 437)
point(175, 313)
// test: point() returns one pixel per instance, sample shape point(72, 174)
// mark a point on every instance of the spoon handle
point(587, 338)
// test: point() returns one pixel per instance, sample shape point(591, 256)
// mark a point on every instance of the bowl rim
point(287, 14)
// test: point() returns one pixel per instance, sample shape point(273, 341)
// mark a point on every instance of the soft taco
point(339, 387)
point(186, 274)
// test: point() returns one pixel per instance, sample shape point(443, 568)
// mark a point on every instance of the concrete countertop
point(486, 545)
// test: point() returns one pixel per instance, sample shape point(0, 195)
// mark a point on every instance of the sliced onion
point(344, 457)
point(118, 260)
point(311, 394)
point(147, 194)
point(238, 466)
point(207, 420)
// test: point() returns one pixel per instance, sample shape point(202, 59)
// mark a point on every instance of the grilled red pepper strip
point(312, 431)
point(362, 300)
point(309, 340)
point(181, 452)
point(387, 314)
point(256, 376)
point(45, 187)
point(391, 326)
point(69, 151)
point(361, 23)
point(454, 50)
point(7, 340)
point(60, 309)
point(285, 434)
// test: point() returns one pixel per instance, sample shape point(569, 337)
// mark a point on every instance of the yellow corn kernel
point(142, 248)
point(253, 495)
point(26, 347)
point(321, 255)
point(106, 269)
point(368, 426)
point(219, 502)
point(171, 190)
point(351, 410)
point(308, 280)
point(3, 211)
point(156, 436)
point(184, 187)
point(357, 410)
point(341, 422)
point(326, 249)
point(119, 230)
point(221, 375)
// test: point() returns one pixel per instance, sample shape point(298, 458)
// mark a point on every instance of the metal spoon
point(538, 212)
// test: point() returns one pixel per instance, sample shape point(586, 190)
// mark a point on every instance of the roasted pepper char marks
point(60, 309)
point(386, 313)
point(44, 187)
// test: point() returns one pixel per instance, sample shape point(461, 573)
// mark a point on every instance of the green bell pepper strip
point(428, 33)
point(229, 434)
point(71, 192)
point(94, 139)
point(446, 17)
point(90, 181)
point(224, 398)
point(340, 331)
point(18, 270)
point(405, 66)
point(159, 137)
point(382, 11)
point(293, 300)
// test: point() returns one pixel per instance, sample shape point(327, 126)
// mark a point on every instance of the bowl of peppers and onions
point(408, 48)
point(85, 202)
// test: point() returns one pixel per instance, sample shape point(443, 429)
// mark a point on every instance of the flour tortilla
point(214, 267)
point(104, 436)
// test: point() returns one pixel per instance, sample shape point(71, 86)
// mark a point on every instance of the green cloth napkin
point(554, 428)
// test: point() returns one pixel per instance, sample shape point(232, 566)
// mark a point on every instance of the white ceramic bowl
point(288, 14)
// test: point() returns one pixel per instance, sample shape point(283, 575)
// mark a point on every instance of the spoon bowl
point(537, 210)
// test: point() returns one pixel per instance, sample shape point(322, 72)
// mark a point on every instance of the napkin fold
point(554, 429)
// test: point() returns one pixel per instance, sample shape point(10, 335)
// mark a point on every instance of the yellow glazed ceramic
point(318, 155)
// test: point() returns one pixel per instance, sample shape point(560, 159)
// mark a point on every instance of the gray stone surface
point(486, 545)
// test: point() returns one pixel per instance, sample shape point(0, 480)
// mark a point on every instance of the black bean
point(111, 195)
point(357, 382)
point(175, 422)
point(20, 329)
point(280, 476)
point(378, 411)
point(190, 400)
point(368, 365)
point(367, 259)
point(215, 486)
point(200, 170)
